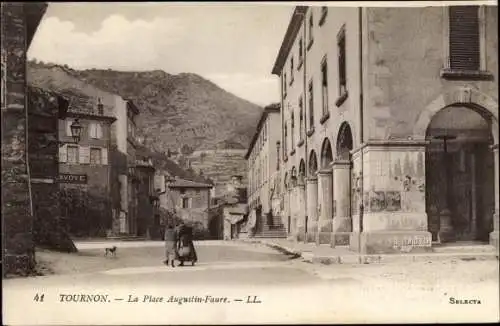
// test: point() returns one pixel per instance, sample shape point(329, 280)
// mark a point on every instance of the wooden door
point(464, 201)
point(436, 200)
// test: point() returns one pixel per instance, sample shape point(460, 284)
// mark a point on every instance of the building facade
point(145, 174)
point(85, 171)
point(263, 177)
point(390, 116)
point(125, 176)
point(189, 201)
point(236, 222)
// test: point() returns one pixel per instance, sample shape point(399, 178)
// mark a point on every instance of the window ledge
point(341, 99)
point(323, 17)
point(325, 117)
point(310, 132)
point(301, 62)
point(292, 152)
point(300, 143)
point(454, 74)
point(310, 44)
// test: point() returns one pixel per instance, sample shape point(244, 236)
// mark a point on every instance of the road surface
point(237, 282)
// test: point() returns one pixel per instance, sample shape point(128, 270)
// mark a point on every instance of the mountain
point(175, 110)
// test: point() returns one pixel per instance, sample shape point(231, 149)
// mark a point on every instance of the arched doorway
point(313, 164)
point(293, 177)
point(344, 142)
point(326, 153)
point(459, 176)
point(302, 171)
point(342, 193)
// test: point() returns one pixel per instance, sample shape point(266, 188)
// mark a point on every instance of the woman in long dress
point(170, 244)
point(185, 245)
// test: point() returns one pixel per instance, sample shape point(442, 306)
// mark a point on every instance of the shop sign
point(72, 178)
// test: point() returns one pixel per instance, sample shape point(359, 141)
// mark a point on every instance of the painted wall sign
point(72, 178)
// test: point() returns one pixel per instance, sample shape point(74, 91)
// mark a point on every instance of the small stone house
point(190, 201)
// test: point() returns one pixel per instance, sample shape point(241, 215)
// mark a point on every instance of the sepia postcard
point(249, 162)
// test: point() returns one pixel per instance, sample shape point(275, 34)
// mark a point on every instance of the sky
point(234, 45)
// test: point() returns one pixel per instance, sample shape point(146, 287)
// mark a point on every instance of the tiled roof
point(181, 183)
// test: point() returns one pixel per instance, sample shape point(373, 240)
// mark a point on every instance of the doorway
point(459, 176)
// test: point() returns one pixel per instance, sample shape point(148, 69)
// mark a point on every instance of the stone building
point(391, 117)
point(236, 220)
point(263, 177)
point(85, 170)
point(189, 201)
point(124, 174)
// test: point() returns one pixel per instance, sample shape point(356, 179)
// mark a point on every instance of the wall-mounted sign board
point(72, 178)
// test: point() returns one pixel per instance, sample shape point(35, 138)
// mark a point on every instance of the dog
point(111, 251)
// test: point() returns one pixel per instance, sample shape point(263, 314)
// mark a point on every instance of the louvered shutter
point(63, 154)
point(84, 155)
point(92, 130)
point(104, 156)
point(68, 127)
point(464, 38)
point(99, 130)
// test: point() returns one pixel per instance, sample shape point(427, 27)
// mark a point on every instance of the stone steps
point(272, 233)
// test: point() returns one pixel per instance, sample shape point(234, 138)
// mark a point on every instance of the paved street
point(289, 290)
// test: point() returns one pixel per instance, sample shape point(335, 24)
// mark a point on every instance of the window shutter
point(99, 131)
point(91, 130)
point(68, 127)
point(84, 154)
point(63, 154)
point(104, 156)
point(464, 38)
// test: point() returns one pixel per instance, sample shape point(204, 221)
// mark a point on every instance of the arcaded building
point(390, 126)
point(263, 173)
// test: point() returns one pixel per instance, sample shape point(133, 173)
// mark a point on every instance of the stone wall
point(397, 93)
point(17, 220)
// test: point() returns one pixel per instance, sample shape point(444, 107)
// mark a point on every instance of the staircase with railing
point(270, 227)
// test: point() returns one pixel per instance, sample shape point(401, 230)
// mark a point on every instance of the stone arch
point(326, 153)
point(313, 164)
point(302, 170)
point(457, 159)
point(464, 96)
point(344, 142)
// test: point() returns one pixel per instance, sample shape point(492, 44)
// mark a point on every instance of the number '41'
point(39, 297)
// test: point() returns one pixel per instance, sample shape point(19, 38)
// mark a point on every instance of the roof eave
point(34, 12)
point(291, 33)
point(268, 109)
